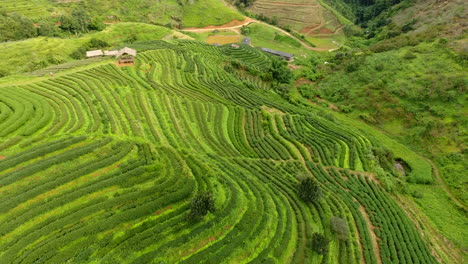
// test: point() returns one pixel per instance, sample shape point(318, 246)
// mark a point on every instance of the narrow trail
point(374, 238)
point(247, 22)
point(444, 186)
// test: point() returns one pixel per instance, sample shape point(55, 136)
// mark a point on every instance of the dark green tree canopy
point(320, 243)
point(200, 206)
point(309, 190)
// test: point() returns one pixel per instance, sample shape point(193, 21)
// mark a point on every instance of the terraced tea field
point(100, 166)
point(30, 8)
point(308, 17)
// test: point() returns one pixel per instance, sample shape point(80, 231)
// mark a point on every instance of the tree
point(280, 71)
point(15, 27)
point(48, 29)
point(340, 227)
point(320, 243)
point(82, 19)
point(78, 22)
point(97, 43)
point(200, 206)
point(309, 190)
point(245, 30)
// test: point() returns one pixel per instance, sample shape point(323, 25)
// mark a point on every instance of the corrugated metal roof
point(278, 53)
point(94, 53)
point(111, 52)
point(128, 51)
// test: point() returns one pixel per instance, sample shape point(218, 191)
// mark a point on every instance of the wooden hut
point(126, 56)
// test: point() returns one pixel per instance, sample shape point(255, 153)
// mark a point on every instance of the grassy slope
point(29, 8)
point(265, 36)
point(42, 52)
point(306, 16)
point(208, 12)
point(178, 13)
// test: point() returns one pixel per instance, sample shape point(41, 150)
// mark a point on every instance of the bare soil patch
point(234, 23)
point(302, 81)
point(325, 30)
point(374, 238)
point(223, 39)
point(2, 157)
point(272, 110)
point(120, 65)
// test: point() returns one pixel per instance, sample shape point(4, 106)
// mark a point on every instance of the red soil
point(234, 23)
point(162, 210)
point(325, 30)
point(206, 241)
point(2, 157)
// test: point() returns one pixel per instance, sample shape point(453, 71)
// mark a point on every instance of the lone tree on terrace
point(340, 227)
point(200, 206)
point(309, 190)
point(320, 243)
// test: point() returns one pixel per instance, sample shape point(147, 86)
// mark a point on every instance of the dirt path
point(246, 22)
point(374, 238)
point(441, 182)
point(362, 261)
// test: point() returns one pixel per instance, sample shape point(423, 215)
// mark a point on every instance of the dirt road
point(248, 21)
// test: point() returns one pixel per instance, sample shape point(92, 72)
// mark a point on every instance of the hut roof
point(246, 40)
point(94, 53)
point(278, 53)
point(111, 52)
point(128, 51)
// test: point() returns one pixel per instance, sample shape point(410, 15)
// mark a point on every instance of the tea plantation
point(101, 165)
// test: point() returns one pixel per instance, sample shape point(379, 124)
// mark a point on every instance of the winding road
point(248, 21)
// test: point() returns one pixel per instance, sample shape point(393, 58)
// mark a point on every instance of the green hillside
point(101, 165)
point(45, 51)
point(168, 12)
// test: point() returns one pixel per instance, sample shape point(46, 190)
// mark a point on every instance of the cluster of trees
point(94, 43)
point(241, 4)
point(79, 21)
point(14, 26)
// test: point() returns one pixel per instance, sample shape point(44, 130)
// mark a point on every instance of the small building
point(235, 46)
point(111, 52)
point(247, 41)
point(126, 55)
point(94, 53)
point(285, 55)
